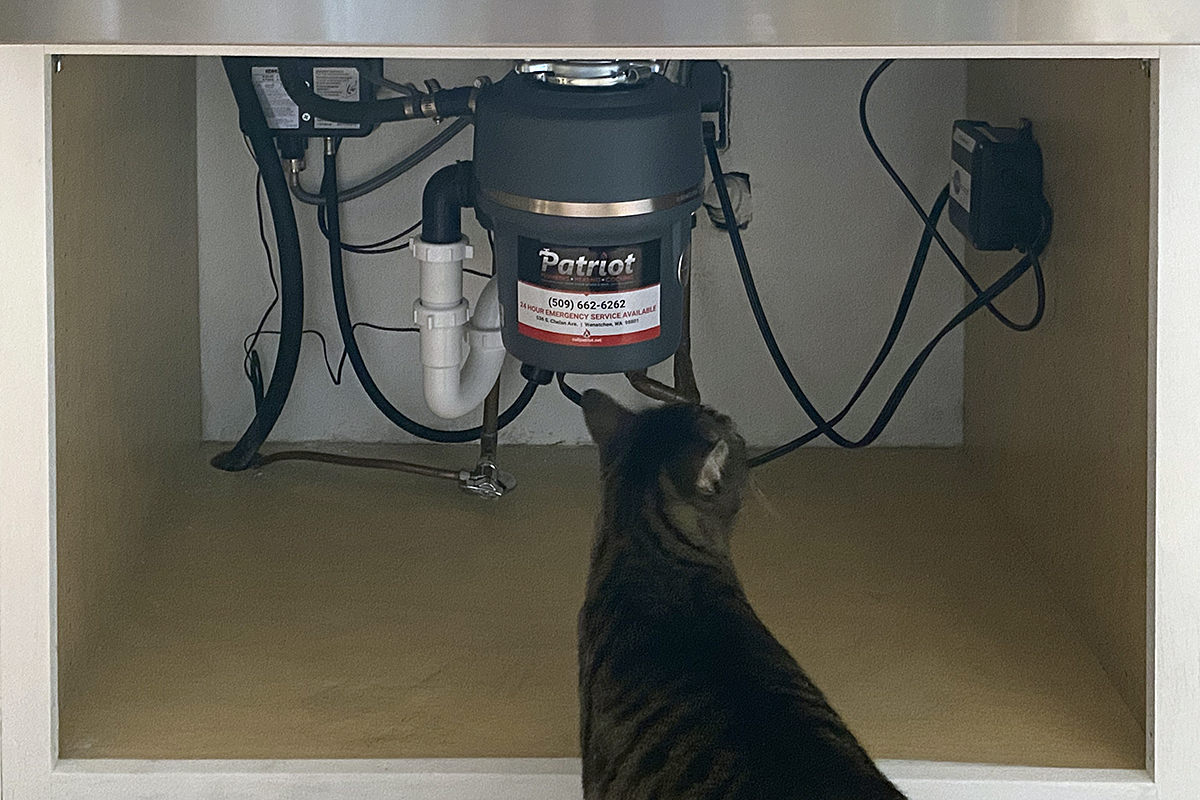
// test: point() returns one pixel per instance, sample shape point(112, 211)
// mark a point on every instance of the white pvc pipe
point(453, 388)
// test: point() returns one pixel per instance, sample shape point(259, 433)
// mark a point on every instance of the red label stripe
point(576, 340)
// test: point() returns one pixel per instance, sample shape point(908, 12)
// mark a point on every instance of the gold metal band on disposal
point(623, 208)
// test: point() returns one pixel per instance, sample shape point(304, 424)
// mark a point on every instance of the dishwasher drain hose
point(244, 454)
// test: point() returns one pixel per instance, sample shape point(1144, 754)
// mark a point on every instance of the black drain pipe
point(447, 193)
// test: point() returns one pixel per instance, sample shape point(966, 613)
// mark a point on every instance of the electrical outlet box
point(996, 185)
point(343, 79)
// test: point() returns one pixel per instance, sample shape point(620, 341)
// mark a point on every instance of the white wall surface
point(831, 244)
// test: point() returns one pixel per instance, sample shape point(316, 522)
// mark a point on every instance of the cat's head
point(693, 447)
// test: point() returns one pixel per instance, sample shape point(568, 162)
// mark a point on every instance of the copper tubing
point(353, 461)
point(685, 389)
point(685, 376)
point(658, 390)
point(489, 435)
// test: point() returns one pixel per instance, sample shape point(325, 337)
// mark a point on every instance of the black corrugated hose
point(291, 272)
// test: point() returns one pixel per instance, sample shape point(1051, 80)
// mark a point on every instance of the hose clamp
point(429, 106)
point(589, 73)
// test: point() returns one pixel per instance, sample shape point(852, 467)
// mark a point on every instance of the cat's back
point(686, 694)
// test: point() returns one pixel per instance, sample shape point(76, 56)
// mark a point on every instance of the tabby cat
point(684, 693)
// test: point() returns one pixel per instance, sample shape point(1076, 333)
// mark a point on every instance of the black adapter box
point(342, 79)
point(996, 185)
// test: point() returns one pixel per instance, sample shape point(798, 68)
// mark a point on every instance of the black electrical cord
point(335, 376)
point(575, 396)
point(291, 273)
point(251, 365)
point(929, 225)
point(568, 391)
point(902, 386)
point(382, 247)
point(341, 307)
point(756, 307)
point(491, 237)
point(825, 427)
point(906, 298)
point(378, 248)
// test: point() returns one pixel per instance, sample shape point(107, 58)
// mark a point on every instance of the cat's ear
point(712, 468)
point(604, 416)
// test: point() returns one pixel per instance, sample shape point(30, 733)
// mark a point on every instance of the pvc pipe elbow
point(453, 388)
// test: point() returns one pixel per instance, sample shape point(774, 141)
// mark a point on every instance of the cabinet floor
point(314, 611)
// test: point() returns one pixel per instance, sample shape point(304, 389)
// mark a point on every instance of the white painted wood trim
point(27, 728)
point(743, 53)
point(1151, 413)
point(26, 625)
point(523, 779)
point(922, 780)
point(1176, 556)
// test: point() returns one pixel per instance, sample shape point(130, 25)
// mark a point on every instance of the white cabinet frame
point(29, 766)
